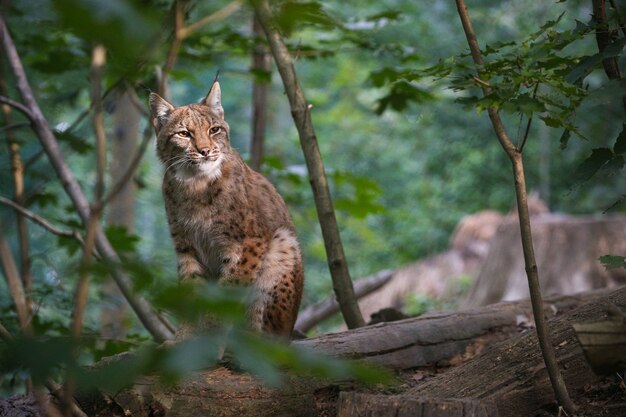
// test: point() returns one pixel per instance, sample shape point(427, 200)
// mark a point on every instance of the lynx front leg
point(189, 268)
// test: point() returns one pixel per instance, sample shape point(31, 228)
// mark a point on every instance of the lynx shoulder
point(227, 222)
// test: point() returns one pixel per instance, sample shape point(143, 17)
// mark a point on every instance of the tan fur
point(228, 223)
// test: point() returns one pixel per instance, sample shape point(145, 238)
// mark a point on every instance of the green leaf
point(76, 143)
point(294, 15)
point(402, 93)
point(620, 143)
point(121, 240)
point(587, 64)
point(127, 30)
point(599, 157)
point(613, 262)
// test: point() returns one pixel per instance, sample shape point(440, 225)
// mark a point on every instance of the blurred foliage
point(388, 81)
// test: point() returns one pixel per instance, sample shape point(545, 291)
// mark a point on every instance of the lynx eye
point(215, 129)
point(184, 134)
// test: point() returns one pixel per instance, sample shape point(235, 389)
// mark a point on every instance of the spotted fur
point(228, 222)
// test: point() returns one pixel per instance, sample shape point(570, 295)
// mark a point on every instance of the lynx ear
point(214, 100)
point(160, 109)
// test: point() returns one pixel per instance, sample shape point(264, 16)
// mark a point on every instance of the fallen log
point(512, 374)
point(438, 341)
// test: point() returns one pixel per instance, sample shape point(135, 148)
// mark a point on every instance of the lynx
point(228, 223)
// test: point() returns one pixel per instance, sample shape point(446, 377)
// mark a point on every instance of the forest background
point(407, 150)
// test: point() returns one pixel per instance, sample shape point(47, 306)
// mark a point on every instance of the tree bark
point(121, 209)
point(300, 111)
point(261, 62)
point(513, 374)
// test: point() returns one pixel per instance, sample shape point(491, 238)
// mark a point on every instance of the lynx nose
point(205, 151)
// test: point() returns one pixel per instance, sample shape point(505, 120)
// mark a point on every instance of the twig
point(520, 148)
point(342, 283)
point(261, 61)
point(172, 54)
point(181, 32)
point(80, 300)
point(481, 82)
point(14, 126)
point(149, 318)
point(4, 333)
point(16, 289)
point(42, 222)
point(17, 169)
point(221, 14)
point(17, 106)
point(320, 311)
point(130, 170)
point(98, 58)
point(515, 155)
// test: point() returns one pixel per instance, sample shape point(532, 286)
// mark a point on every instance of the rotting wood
point(604, 344)
point(513, 373)
point(353, 404)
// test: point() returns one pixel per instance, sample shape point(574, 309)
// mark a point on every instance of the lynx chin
point(228, 223)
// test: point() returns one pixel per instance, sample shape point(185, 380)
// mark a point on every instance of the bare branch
point(15, 284)
point(337, 263)
point(17, 169)
point(4, 333)
point(130, 171)
point(318, 312)
point(142, 308)
point(261, 61)
point(221, 14)
point(13, 126)
point(179, 21)
point(17, 106)
point(42, 222)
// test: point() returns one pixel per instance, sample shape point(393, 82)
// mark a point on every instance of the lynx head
point(192, 141)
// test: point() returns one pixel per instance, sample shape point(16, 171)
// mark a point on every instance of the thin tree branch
point(12, 126)
point(261, 62)
point(17, 106)
point(80, 299)
point(179, 21)
point(81, 295)
point(42, 222)
point(320, 311)
point(130, 171)
point(342, 283)
point(16, 289)
point(17, 169)
point(144, 311)
point(4, 333)
point(526, 131)
point(221, 14)
point(515, 155)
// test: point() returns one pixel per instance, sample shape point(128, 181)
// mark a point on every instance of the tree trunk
point(300, 111)
point(121, 209)
point(261, 63)
point(568, 248)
